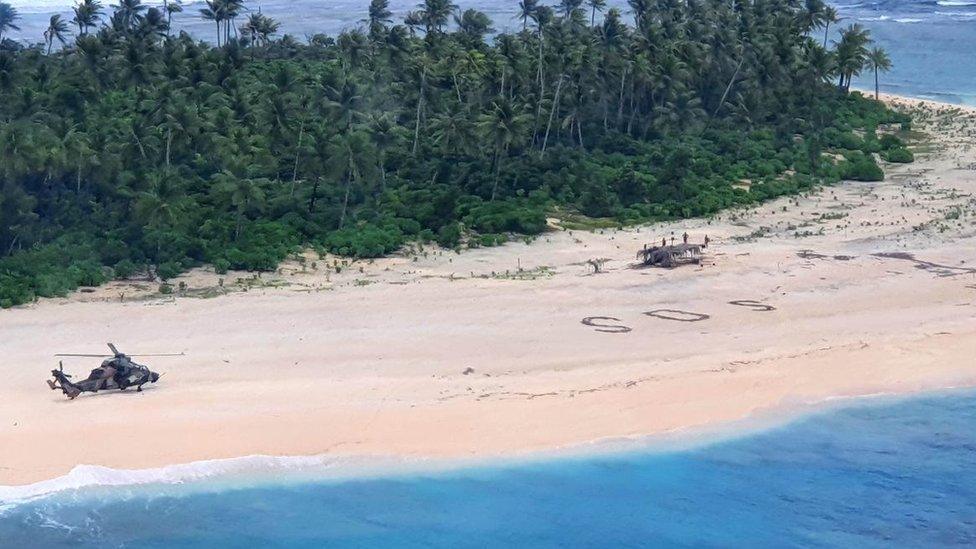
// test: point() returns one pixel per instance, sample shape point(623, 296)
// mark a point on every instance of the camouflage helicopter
point(118, 371)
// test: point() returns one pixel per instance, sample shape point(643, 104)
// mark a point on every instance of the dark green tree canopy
point(134, 148)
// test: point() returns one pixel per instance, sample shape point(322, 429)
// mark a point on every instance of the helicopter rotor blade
point(83, 355)
point(114, 350)
point(163, 354)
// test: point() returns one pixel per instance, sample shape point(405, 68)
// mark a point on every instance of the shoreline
point(244, 472)
point(374, 362)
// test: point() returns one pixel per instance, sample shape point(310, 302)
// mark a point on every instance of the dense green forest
point(126, 148)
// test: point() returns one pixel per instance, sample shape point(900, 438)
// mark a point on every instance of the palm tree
point(349, 153)
point(830, 16)
point(382, 134)
point(170, 7)
point(473, 25)
point(595, 6)
point(87, 15)
point(214, 12)
point(878, 60)
point(57, 29)
point(435, 14)
point(379, 16)
point(852, 53)
point(8, 15)
point(130, 11)
point(243, 193)
point(569, 6)
point(503, 126)
point(259, 28)
point(812, 15)
point(526, 11)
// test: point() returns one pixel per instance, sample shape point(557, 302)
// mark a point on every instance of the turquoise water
point(930, 41)
point(872, 475)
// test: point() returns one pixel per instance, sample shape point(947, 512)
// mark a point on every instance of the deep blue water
point(871, 475)
point(930, 41)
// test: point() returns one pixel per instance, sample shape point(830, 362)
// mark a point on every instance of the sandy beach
point(857, 289)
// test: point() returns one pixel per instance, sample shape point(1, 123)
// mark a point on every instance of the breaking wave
point(217, 474)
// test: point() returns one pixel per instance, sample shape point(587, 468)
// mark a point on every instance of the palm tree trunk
point(298, 154)
point(876, 86)
point(498, 160)
point(420, 106)
point(729, 87)
point(552, 112)
point(542, 83)
point(169, 144)
point(457, 87)
point(237, 226)
point(345, 200)
point(620, 101)
point(314, 197)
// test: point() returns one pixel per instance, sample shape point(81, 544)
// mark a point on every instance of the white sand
point(371, 362)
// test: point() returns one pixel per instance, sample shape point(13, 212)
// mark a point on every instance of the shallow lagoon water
point(874, 474)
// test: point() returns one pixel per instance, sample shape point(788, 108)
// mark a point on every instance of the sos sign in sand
point(613, 325)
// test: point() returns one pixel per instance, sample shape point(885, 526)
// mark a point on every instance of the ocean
point(930, 41)
point(874, 473)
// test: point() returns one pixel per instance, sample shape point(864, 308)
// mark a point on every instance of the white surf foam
point(248, 470)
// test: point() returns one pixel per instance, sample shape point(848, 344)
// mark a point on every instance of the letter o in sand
point(606, 328)
point(675, 314)
point(753, 304)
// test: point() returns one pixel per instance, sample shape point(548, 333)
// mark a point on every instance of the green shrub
point(861, 167)
point(169, 270)
point(365, 241)
point(125, 269)
point(899, 155)
point(221, 266)
point(449, 236)
point(889, 142)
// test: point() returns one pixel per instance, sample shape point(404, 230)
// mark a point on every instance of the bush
point(365, 241)
point(900, 155)
point(861, 167)
point(449, 236)
point(125, 269)
point(889, 142)
point(169, 270)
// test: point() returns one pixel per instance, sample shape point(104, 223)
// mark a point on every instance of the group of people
point(684, 237)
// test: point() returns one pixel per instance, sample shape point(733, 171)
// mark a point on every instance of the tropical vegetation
point(135, 149)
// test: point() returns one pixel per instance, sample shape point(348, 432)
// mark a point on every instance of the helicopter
point(118, 371)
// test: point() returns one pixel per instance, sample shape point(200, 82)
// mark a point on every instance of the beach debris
point(597, 263)
point(468, 371)
point(673, 255)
